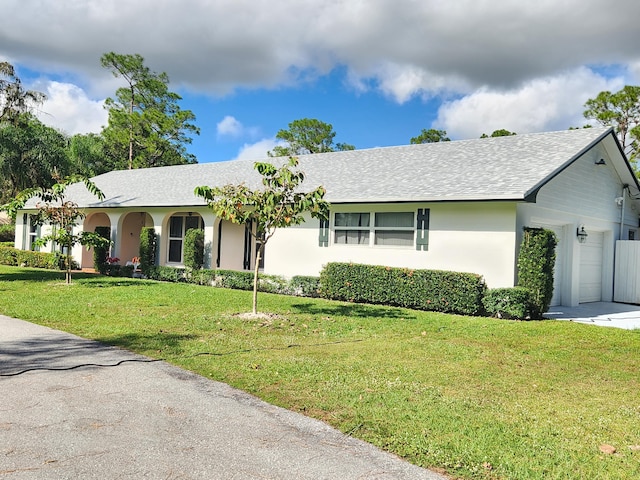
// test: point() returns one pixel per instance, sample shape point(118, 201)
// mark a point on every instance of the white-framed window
point(380, 229)
point(32, 233)
point(178, 226)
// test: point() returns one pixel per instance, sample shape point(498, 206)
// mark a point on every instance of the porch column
point(158, 219)
point(114, 220)
point(209, 238)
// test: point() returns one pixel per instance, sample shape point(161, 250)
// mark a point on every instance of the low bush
point(305, 286)
point(7, 233)
point(436, 290)
point(8, 255)
point(166, 274)
point(513, 303)
point(234, 279)
point(203, 277)
point(27, 258)
point(115, 270)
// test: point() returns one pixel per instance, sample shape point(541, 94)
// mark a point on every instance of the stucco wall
point(477, 237)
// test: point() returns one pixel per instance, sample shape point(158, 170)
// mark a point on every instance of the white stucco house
point(458, 206)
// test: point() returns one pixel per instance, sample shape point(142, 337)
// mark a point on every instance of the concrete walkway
point(75, 409)
point(606, 314)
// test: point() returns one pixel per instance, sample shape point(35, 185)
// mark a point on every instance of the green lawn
point(474, 397)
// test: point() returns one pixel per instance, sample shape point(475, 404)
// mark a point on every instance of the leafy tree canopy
point(147, 127)
point(431, 136)
point(499, 133)
point(620, 110)
point(31, 154)
point(307, 135)
point(14, 99)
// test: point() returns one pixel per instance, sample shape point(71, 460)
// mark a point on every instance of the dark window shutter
point(422, 229)
point(323, 235)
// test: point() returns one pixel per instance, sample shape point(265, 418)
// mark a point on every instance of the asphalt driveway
point(76, 409)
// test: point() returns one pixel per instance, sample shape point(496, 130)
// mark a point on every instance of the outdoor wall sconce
point(581, 233)
point(601, 162)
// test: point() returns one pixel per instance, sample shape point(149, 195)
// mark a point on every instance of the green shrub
point(203, 277)
point(166, 274)
point(100, 254)
point(8, 233)
point(8, 255)
point(514, 303)
point(194, 249)
point(273, 284)
point(115, 270)
point(234, 279)
point(148, 246)
point(419, 289)
point(536, 260)
point(27, 258)
point(305, 286)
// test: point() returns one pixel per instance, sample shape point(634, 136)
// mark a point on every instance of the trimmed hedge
point(27, 258)
point(7, 232)
point(435, 290)
point(100, 254)
point(512, 303)
point(194, 249)
point(305, 286)
point(148, 246)
point(166, 274)
point(536, 260)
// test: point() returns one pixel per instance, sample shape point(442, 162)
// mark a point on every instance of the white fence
point(627, 278)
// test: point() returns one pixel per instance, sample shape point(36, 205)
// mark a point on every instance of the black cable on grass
point(152, 360)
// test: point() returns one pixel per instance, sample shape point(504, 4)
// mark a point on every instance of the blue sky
point(378, 70)
point(364, 119)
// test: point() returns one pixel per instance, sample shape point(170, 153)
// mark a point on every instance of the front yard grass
point(473, 397)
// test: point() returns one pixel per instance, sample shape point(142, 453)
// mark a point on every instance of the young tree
point(307, 135)
point(430, 136)
point(620, 110)
point(62, 215)
point(279, 204)
point(146, 125)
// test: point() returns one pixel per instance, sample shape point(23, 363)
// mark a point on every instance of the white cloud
point(553, 103)
point(257, 150)
point(229, 126)
point(407, 48)
point(69, 109)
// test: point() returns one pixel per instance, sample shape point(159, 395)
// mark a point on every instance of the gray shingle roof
point(502, 168)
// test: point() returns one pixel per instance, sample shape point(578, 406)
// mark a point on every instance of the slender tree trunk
point(131, 130)
point(255, 278)
point(68, 279)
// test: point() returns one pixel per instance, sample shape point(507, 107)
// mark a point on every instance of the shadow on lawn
point(353, 310)
point(41, 275)
point(159, 343)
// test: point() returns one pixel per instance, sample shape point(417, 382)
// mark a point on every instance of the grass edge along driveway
point(472, 397)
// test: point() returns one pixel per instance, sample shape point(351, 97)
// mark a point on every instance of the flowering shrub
point(112, 260)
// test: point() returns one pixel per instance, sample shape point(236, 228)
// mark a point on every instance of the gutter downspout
point(624, 198)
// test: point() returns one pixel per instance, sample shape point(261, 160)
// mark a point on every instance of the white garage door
point(591, 268)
